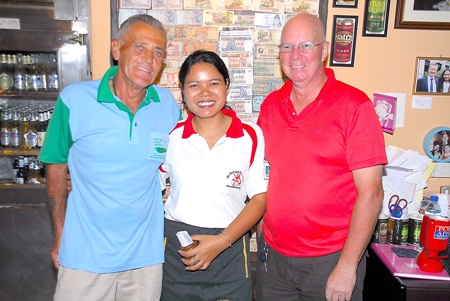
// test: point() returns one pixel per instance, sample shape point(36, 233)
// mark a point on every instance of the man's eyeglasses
point(302, 47)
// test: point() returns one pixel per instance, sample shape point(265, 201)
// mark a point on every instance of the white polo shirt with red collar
point(209, 186)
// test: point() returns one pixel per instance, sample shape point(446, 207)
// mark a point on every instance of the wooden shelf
point(18, 152)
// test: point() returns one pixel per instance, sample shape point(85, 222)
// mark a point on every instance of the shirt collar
point(234, 131)
point(106, 95)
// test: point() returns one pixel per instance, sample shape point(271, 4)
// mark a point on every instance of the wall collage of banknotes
point(245, 33)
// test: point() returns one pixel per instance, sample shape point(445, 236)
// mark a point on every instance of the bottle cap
point(184, 238)
point(434, 198)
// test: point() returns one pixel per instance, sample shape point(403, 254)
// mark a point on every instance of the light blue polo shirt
point(114, 218)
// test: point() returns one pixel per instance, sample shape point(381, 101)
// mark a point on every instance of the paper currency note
point(203, 34)
point(167, 4)
point(237, 60)
point(264, 85)
point(200, 4)
point(241, 76)
point(189, 17)
point(268, 68)
point(264, 36)
point(167, 17)
point(217, 18)
point(269, 20)
point(267, 52)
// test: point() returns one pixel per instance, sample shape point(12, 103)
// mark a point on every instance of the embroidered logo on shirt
point(235, 178)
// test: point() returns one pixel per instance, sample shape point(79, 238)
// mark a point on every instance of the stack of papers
point(405, 175)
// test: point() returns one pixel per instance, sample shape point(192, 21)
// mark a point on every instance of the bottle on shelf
point(41, 129)
point(14, 136)
point(6, 76)
point(433, 207)
point(19, 74)
point(52, 75)
point(5, 132)
point(15, 168)
point(34, 173)
point(21, 177)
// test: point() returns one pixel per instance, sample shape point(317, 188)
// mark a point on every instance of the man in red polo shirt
point(326, 153)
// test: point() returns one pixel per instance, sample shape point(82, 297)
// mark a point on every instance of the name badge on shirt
point(158, 145)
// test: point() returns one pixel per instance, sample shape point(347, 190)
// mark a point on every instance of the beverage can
point(381, 229)
point(404, 233)
point(395, 227)
point(343, 40)
point(414, 227)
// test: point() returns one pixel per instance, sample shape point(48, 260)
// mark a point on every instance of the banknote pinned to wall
point(177, 32)
point(189, 17)
point(263, 85)
point(244, 18)
point(267, 68)
point(256, 102)
point(302, 6)
point(174, 62)
point(267, 52)
point(239, 92)
point(167, 4)
point(217, 18)
point(274, 6)
point(241, 106)
point(201, 4)
point(237, 59)
point(241, 76)
point(264, 36)
point(235, 4)
point(174, 49)
point(167, 17)
point(203, 34)
point(136, 4)
point(231, 40)
point(269, 20)
point(126, 13)
point(191, 46)
point(169, 78)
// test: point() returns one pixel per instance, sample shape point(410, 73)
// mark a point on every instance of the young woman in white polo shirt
point(215, 163)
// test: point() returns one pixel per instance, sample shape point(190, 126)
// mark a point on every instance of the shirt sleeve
point(58, 138)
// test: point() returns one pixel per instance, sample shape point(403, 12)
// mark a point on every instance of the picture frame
point(135, 4)
point(417, 14)
point(436, 144)
point(345, 3)
point(437, 67)
point(376, 18)
point(343, 40)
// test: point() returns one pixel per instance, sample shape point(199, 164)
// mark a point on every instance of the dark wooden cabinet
point(26, 269)
point(380, 285)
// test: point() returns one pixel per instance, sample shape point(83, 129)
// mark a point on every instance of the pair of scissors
point(397, 205)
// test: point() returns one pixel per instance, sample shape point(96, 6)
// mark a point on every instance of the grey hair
point(140, 18)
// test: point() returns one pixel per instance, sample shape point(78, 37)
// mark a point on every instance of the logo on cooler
point(441, 232)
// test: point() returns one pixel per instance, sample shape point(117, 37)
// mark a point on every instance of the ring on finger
point(196, 260)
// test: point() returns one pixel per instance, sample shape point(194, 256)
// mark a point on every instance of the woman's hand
point(209, 248)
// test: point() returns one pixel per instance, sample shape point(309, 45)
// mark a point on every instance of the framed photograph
point(376, 16)
point(437, 145)
point(432, 76)
point(343, 41)
point(420, 14)
point(345, 3)
point(135, 4)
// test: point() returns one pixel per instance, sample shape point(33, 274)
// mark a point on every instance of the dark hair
point(203, 56)
point(144, 18)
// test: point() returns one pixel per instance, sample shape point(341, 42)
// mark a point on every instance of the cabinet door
point(27, 271)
